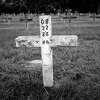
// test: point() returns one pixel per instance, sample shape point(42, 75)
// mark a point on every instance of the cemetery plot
point(73, 67)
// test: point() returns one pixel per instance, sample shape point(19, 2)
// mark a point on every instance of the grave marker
point(94, 16)
point(46, 41)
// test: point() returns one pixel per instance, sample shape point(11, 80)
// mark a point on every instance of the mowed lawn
point(76, 69)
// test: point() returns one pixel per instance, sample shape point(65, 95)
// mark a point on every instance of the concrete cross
point(46, 41)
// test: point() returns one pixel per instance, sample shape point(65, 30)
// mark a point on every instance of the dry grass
point(76, 69)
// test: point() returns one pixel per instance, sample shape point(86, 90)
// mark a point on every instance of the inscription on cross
point(46, 41)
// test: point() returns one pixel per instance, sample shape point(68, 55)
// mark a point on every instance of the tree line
point(48, 6)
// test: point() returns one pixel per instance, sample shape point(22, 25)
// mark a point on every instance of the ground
point(76, 69)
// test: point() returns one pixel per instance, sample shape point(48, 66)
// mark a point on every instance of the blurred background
point(49, 6)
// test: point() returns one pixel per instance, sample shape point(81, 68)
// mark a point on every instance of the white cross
point(46, 41)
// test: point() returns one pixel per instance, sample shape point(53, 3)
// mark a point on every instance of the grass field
point(76, 69)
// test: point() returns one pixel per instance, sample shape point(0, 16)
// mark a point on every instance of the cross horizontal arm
point(64, 40)
point(28, 41)
point(34, 41)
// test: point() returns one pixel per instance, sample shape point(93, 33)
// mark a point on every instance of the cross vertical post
point(46, 51)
